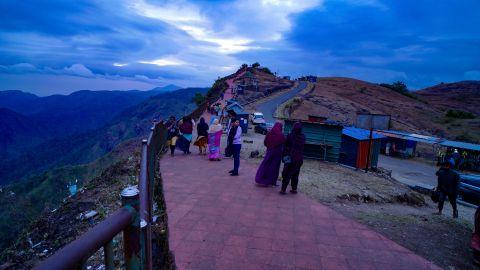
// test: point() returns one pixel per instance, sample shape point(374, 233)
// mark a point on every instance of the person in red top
point(186, 129)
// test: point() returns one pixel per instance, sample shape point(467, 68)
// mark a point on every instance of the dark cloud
point(429, 41)
point(193, 42)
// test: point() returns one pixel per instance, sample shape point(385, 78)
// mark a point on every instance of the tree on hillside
point(399, 86)
point(198, 98)
point(255, 65)
point(243, 66)
point(266, 70)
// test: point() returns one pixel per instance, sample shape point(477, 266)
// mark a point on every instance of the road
point(269, 107)
point(410, 172)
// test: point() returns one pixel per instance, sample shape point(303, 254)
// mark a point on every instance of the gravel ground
point(387, 206)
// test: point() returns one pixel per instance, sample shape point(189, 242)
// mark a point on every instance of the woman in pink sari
point(214, 135)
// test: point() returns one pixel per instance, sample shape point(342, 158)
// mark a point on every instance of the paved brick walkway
point(221, 222)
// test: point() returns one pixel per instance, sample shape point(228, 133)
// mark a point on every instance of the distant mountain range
point(78, 128)
point(58, 116)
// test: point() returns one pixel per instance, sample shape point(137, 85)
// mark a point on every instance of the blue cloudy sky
point(60, 46)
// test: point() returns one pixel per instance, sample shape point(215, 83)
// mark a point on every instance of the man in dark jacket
point(293, 158)
point(448, 181)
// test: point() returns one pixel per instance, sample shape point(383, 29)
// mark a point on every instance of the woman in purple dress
point(267, 173)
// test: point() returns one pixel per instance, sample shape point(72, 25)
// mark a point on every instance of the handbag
point(434, 195)
point(228, 151)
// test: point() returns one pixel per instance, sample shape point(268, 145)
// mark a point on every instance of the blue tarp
point(360, 134)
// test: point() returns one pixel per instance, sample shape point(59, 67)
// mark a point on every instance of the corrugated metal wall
point(354, 152)
point(348, 151)
point(362, 153)
point(317, 136)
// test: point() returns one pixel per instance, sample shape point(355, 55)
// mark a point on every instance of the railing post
point(143, 242)
point(145, 204)
point(108, 255)
point(131, 234)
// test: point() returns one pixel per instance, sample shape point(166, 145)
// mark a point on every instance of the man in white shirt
point(235, 140)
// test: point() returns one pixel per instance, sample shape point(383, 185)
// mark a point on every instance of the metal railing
point(134, 219)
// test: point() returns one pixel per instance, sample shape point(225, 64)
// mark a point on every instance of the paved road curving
point(269, 107)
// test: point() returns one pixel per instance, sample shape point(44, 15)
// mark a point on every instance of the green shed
point(323, 140)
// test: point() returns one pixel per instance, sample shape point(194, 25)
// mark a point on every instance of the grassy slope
point(341, 98)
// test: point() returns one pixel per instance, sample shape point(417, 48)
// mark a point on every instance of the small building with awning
point(236, 110)
point(402, 143)
point(323, 139)
point(354, 149)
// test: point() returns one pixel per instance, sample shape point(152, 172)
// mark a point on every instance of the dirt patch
point(330, 182)
point(440, 239)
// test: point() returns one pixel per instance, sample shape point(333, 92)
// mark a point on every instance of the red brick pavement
point(217, 221)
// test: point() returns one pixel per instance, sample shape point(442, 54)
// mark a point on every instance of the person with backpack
point(448, 182)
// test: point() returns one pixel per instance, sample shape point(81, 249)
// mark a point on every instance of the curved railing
point(135, 219)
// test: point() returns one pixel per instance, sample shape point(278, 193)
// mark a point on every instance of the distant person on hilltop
point(267, 173)
point(172, 135)
point(293, 158)
point(448, 182)
point(235, 145)
point(456, 158)
point(202, 135)
point(214, 137)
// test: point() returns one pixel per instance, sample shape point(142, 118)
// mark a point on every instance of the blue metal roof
point(236, 108)
point(360, 134)
point(410, 136)
point(461, 145)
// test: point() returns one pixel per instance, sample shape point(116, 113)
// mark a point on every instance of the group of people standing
point(280, 148)
point(180, 135)
point(288, 150)
point(209, 137)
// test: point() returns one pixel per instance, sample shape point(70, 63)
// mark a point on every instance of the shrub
point(198, 99)
point(255, 65)
point(266, 70)
point(401, 88)
point(459, 114)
